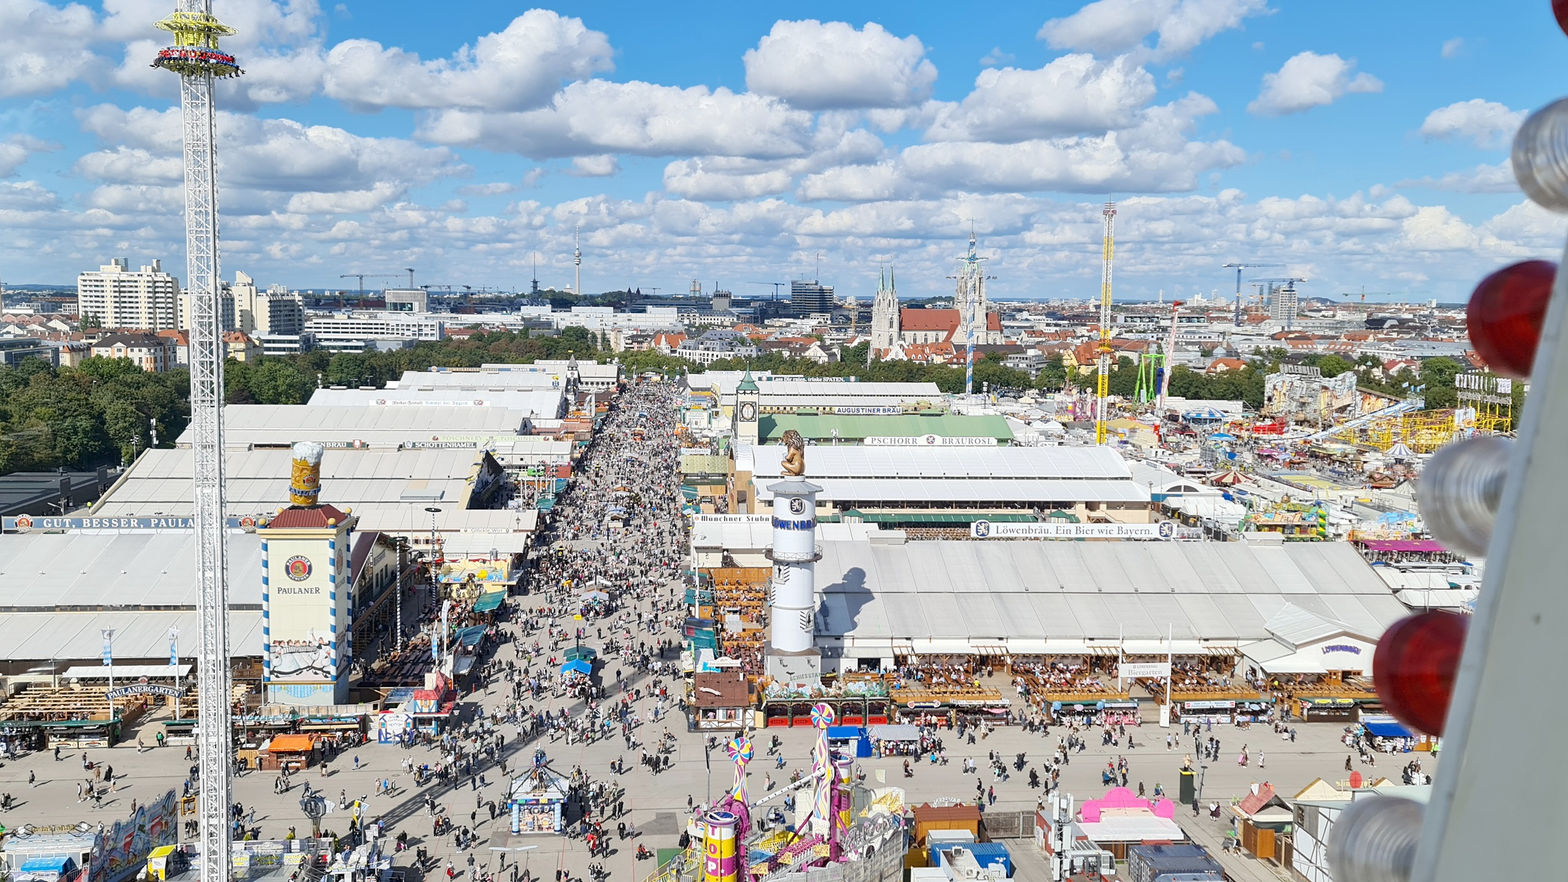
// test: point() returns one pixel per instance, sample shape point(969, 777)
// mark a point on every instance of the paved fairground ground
point(649, 615)
point(657, 804)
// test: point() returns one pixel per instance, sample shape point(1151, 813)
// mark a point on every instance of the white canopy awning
point(126, 673)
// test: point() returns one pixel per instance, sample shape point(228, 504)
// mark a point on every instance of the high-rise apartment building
point(271, 313)
point(1283, 304)
point(116, 297)
point(225, 311)
point(806, 298)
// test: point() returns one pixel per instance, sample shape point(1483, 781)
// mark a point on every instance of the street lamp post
point(174, 667)
point(434, 510)
point(398, 600)
point(108, 661)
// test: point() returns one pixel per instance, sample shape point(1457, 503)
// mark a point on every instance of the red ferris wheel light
point(1505, 315)
point(1415, 665)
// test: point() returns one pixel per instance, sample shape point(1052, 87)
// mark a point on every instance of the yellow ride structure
point(1423, 431)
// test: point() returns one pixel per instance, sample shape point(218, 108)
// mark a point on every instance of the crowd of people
point(604, 577)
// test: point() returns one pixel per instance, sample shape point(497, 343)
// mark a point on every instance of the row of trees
point(99, 413)
point(104, 411)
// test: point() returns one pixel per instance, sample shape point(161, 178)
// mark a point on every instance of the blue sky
point(1364, 145)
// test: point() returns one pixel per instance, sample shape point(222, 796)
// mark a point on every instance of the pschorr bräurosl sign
point(1013, 530)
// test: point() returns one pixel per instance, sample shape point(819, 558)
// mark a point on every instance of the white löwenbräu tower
point(792, 597)
point(884, 319)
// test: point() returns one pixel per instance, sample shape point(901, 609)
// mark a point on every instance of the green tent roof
point(771, 427)
point(489, 601)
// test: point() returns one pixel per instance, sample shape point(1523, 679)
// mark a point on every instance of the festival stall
point(895, 739)
point(429, 708)
point(852, 740)
point(1121, 819)
point(537, 798)
point(720, 701)
point(1387, 734)
point(1324, 709)
point(293, 752)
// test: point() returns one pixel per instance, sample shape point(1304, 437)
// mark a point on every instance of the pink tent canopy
point(1122, 798)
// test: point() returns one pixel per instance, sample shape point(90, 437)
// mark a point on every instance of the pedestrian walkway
point(1211, 835)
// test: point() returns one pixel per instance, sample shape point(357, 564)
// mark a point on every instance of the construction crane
point(363, 276)
point(1238, 267)
point(776, 287)
point(195, 57)
point(1103, 384)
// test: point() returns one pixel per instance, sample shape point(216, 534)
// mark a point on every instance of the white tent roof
point(545, 403)
point(1297, 626)
point(1079, 592)
point(245, 424)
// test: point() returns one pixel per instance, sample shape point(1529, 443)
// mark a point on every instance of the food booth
point(290, 751)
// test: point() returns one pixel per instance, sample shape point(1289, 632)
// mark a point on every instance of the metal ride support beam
point(195, 57)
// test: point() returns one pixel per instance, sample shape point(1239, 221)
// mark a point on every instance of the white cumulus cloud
point(688, 179)
point(601, 166)
point(1486, 123)
point(1487, 178)
point(43, 47)
point(1072, 94)
point(831, 65)
point(1109, 27)
point(854, 183)
point(276, 156)
point(1310, 80)
point(1077, 165)
point(1435, 228)
point(16, 149)
point(598, 116)
point(516, 69)
point(133, 165)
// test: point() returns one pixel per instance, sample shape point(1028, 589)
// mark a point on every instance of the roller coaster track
point(1409, 405)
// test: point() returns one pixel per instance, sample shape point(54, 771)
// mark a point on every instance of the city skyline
point(724, 145)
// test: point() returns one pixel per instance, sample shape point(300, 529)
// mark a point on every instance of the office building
point(116, 297)
point(807, 298)
point(416, 300)
point(361, 331)
point(15, 351)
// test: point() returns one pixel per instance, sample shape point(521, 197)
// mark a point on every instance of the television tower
point(195, 57)
point(1104, 365)
point(577, 261)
